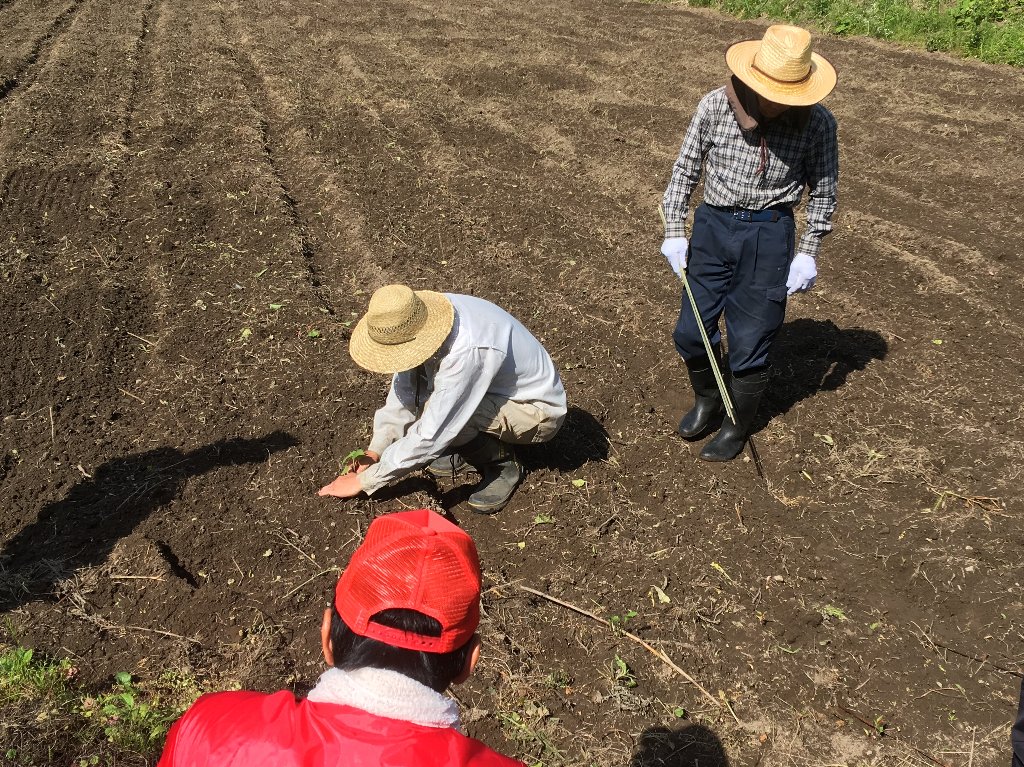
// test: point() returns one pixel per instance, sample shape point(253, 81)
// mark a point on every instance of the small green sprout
point(350, 461)
point(831, 611)
point(622, 673)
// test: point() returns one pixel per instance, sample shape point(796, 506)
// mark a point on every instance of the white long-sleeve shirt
point(487, 353)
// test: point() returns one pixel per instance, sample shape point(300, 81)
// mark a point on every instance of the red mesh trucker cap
point(413, 560)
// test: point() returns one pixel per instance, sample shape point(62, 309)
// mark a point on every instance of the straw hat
point(401, 329)
point(782, 68)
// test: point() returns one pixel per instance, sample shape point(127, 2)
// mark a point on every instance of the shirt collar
point(388, 694)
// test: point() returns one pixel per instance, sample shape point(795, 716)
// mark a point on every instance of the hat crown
point(395, 315)
point(413, 560)
point(785, 53)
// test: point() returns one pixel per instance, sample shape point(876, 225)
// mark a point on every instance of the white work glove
point(675, 250)
point(802, 274)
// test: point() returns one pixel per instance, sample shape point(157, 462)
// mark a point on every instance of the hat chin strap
point(804, 79)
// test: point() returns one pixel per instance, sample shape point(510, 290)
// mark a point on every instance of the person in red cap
point(401, 630)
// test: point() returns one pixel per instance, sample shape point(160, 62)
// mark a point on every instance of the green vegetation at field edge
point(47, 715)
point(990, 30)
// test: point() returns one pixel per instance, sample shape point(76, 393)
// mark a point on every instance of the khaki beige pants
point(518, 423)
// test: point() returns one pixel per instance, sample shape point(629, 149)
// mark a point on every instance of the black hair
point(435, 670)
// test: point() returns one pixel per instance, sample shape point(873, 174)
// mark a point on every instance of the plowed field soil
point(198, 197)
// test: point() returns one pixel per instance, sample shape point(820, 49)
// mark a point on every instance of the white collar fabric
point(388, 694)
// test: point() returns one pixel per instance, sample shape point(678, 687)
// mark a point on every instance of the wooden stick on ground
point(145, 340)
point(650, 648)
point(937, 643)
point(311, 579)
point(873, 726)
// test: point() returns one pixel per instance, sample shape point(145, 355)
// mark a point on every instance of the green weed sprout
point(348, 463)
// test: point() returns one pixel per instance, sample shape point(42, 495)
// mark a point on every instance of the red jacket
point(226, 729)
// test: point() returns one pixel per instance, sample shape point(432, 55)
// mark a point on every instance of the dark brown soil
point(197, 198)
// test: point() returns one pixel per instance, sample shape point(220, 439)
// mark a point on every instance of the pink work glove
point(675, 249)
point(802, 274)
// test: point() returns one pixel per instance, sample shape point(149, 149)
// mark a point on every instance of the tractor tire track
point(310, 190)
point(61, 208)
point(138, 59)
point(27, 69)
point(272, 148)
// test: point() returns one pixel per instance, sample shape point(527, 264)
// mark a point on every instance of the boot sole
point(711, 458)
point(488, 510)
point(710, 426)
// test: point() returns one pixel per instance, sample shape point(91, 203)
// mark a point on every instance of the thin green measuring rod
point(726, 400)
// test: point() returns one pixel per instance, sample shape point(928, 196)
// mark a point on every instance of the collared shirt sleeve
point(460, 385)
point(687, 169)
point(398, 413)
point(822, 181)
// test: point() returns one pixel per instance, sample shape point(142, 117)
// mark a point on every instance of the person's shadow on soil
point(811, 356)
point(82, 529)
point(581, 439)
point(692, 745)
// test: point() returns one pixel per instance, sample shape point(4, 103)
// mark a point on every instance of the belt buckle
point(742, 215)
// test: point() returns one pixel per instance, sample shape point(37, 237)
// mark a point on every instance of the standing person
point(400, 630)
point(468, 383)
point(758, 142)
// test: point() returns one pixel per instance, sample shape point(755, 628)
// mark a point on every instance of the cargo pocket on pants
point(774, 311)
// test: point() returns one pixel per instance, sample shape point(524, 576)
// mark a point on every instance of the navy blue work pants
point(739, 267)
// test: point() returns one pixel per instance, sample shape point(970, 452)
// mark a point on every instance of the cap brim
point(394, 358)
point(812, 89)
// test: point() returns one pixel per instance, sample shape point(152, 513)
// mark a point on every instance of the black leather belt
point(756, 216)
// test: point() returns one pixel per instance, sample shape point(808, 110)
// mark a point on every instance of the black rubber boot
point(745, 391)
point(500, 472)
point(707, 400)
point(446, 466)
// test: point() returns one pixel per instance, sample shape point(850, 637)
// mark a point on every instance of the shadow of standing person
point(692, 745)
point(81, 529)
point(811, 356)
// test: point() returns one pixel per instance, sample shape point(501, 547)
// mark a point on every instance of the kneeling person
point(469, 381)
point(401, 629)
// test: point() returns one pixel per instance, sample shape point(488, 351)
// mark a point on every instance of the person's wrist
point(362, 477)
point(373, 455)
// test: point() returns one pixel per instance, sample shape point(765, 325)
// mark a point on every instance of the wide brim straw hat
point(782, 67)
point(402, 328)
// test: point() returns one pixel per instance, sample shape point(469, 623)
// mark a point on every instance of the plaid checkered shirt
point(742, 172)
